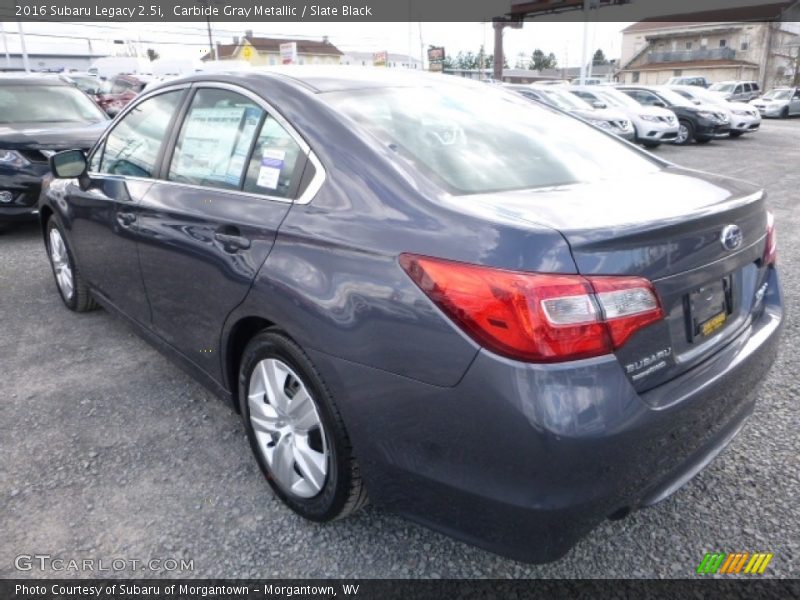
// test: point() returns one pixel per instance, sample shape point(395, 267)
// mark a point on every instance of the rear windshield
point(723, 87)
point(47, 104)
point(476, 140)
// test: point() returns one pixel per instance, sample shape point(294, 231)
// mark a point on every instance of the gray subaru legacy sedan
point(492, 318)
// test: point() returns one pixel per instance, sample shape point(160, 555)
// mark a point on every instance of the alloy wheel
point(683, 134)
point(61, 266)
point(288, 428)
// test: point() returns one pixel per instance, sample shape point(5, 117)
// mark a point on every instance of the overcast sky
point(190, 40)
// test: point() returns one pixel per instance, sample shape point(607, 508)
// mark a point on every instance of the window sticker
point(270, 171)
point(209, 143)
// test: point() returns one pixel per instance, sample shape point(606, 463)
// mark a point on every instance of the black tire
point(650, 145)
point(785, 112)
point(703, 140)
point(343, 492)
point(80, 300)
point(736, 134)
point(690, 132)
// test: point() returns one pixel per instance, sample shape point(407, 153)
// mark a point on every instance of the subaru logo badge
point(731, 237)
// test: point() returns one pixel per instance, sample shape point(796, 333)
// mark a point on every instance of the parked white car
point(653, 125)
point(744, 117)
point(780, 102)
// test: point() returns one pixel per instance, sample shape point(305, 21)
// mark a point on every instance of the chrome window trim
point(308, 194)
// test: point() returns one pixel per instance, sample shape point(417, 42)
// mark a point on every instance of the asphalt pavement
point(108, 451)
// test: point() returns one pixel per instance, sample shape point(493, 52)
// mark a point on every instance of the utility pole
point(5, 45)
point(585, 40)
point(25, 62)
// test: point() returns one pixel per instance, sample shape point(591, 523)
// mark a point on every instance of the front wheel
point(295, 430)
point(685, 133)
point(71, 286)
point(785, 112)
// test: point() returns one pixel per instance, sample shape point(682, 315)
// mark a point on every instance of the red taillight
point(537, 317)
point(771, 246)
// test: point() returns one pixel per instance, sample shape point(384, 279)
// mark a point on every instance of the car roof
point(321, 79)
point(31, 79)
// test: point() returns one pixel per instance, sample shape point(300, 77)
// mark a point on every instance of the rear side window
point(132, 147)
point(216, 139)
point(227, 141)
point(273, 166)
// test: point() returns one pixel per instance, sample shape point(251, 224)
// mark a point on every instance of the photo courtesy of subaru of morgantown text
point(361, 255)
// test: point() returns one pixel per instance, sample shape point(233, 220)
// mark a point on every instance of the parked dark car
point(701, 123)
point(503, 323)
point(39, 115)
point(117, 92)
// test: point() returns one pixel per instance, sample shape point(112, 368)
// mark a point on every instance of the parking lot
point(110, 451)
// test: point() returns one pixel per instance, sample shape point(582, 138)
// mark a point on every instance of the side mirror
point(70, 164)
point(599, 104)
point(697, 101)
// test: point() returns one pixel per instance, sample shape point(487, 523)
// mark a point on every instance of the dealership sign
point(380, 59)
point(289, 53)
point(436, 58)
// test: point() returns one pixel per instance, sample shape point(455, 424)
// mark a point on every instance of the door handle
point(126, 218)
point(229, 240)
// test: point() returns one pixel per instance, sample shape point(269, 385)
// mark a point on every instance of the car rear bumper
point(524, 460)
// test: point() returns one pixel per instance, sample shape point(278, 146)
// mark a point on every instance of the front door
point(103, 218)
point(207, 227)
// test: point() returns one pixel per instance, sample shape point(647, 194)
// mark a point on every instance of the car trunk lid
point(666, 227)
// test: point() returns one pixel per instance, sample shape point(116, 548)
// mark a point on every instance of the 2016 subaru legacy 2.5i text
point(503, 323)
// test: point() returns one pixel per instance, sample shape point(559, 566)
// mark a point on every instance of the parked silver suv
point(737, 91)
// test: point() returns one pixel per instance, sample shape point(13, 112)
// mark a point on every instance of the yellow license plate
point(713, 324)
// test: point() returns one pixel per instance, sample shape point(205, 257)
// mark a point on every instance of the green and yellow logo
point(719, 562)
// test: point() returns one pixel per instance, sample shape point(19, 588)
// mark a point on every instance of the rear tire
point(685, 133)
point(302, 449)
point(70, 283)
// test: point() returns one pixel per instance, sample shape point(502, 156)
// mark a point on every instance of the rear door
point(794, 105)
point(208, 225)
point(103, 217)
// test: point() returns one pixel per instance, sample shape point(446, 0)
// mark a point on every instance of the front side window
point(470, 143)
point(132, 147)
